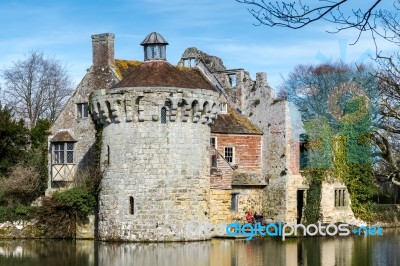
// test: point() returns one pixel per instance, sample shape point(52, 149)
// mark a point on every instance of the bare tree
point(298, 14)
point(387, 138)
point(36, 87)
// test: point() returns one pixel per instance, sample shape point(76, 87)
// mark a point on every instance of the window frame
point(82, 110)
point(164, 115)
point(234, 201)
point(215, 142)
point(214, 161)
point(61, 151)
point(232, 79)
point(223, 109)
point(340, 197)
point(232, 161)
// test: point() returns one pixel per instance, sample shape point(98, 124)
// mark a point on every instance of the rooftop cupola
point(154, 47)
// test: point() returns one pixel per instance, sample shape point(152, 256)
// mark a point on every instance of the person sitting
point(249, 217)
point(258, 217)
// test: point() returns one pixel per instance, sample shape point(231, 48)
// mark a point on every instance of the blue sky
point(224, 28)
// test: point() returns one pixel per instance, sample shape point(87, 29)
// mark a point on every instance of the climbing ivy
point(313, 201)
point(345, 156)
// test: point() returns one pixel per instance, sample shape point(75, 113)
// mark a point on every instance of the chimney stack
point(103, 49)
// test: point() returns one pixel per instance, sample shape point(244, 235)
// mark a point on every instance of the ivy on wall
point(346, 156)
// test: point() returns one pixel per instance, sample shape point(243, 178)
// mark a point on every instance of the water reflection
point(352, 250)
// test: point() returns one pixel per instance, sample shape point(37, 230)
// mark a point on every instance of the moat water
point(326, 251)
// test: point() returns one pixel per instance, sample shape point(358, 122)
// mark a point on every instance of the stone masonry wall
point(329, 212)
point(250, 199)
point(163, 167)
point(220, 207)
point(100, 75)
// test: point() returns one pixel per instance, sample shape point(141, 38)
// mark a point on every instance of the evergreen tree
point(14, 138)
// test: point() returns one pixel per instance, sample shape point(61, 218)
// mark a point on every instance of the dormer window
point(154, 47)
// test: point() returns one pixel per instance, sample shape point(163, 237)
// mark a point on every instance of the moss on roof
point(234, 123)
point(123, 67)
point(160, 73)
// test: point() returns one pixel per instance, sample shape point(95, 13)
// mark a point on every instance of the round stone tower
point(155, 150)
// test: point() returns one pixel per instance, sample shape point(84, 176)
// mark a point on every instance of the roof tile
point(159, 73)
point(234, 123)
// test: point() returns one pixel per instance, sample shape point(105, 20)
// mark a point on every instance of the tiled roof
point(63, 136)
point(242, 179)
point(161, 74)
point(234, 123)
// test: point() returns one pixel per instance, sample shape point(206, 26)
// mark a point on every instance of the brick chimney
point(103, 49)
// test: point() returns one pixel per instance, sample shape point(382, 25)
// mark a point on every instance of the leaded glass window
point(214, 161)
point(63, 152)
point(163, 115)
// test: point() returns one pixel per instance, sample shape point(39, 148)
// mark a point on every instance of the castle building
point(192, 143)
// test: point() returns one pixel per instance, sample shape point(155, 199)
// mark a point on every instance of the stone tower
point(155, 150)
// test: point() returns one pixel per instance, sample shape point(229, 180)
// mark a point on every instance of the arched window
point(131, 205)
point(163, 115)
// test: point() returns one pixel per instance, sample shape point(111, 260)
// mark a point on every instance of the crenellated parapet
point(163, 104)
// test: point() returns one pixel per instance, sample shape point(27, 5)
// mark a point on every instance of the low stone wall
point(20, 229)
point(30, 229)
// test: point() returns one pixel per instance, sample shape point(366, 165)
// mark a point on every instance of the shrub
point(59, 214)
point(15, 213)
point(20, 186)
point(78, 199)
point(256, 102)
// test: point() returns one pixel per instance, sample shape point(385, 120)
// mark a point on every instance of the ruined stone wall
point(280, 146)
point(281, 126)
point(235, 92)
point(163, 167)
point(329, 212)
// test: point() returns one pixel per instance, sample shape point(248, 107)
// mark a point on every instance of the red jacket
point(249, 217)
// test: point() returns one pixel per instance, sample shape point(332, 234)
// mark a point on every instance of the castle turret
point(155, 152)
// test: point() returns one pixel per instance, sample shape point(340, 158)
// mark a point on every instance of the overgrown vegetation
point(14, 140)
point(59, 214)
point(313, 201)
point(256, 102)
point(337, 103)
point(23, 165)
